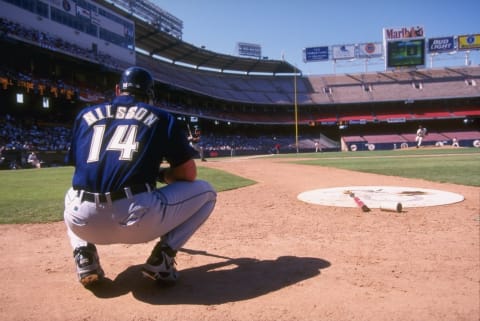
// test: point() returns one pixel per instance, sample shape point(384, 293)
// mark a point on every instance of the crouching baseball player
point(117, 149)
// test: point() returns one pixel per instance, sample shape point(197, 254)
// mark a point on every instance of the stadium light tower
point(432, 55)
point(295, 106)
point(467, 58)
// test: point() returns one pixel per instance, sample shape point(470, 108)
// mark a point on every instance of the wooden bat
point(358, 201)
point(189, 130)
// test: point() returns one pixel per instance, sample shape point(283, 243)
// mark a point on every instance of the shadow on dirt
point(234, 279)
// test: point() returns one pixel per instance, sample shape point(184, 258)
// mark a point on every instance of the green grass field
point(458, 166)
point(34, 196)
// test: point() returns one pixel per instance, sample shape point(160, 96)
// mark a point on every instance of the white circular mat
point(373, 196)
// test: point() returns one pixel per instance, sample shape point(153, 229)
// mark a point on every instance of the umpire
point(117, 150)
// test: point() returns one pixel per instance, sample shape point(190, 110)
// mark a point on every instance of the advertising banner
point(403, 33)
point(315, 54)
point(249, 49)
point(466, 42)
point(343, 52)
point(441, 44)
point(370, 50)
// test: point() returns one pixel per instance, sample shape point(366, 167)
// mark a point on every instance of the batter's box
point(374, 196)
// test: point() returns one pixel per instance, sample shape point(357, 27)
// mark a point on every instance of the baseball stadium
point(307, 237)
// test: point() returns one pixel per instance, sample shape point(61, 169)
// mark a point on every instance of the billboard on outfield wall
point(466, 42)
point(403, 33)
point(343, 52)
point(406, 53)
point(249, 49)
point(370, 50)
point(443, 44)
point(404, 46)
point(315, 54)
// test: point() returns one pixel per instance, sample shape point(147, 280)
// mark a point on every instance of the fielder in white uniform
point(421, 133)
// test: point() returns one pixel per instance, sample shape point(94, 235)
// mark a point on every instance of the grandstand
point(66, 66)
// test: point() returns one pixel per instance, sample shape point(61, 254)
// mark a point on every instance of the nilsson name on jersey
point(121, 112)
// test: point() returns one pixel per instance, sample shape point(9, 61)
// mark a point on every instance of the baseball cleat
point(88, 266)
point(160, 265)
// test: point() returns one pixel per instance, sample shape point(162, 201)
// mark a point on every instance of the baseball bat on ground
point(198, 252)
point(358, 201)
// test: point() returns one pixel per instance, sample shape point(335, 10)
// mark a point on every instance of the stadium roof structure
point(164, 45)
point(155, 42)
point(148, 11)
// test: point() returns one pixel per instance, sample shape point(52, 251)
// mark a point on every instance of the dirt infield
point(265, 255)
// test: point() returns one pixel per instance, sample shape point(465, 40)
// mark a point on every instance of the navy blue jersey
point(122, 143)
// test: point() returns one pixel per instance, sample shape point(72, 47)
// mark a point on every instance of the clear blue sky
point(287, 26)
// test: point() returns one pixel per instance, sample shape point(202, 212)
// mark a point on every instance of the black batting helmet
point(137, 81)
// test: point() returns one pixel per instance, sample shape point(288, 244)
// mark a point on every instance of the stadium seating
point(391, 141)
point(465, 111)
point(387, 138)
point(323, 101)
point(462, 135)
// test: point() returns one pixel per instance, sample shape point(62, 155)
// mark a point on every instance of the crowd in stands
point(9, 78)
point(19, 139)
point(32, 135)
point(239, 144)
point(27, 134)
point(24, 136)
point(49, 41)
point(53, 87)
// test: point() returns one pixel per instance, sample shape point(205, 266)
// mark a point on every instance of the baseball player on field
point(194, 139)
point(117, 149)
point(421, 133)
